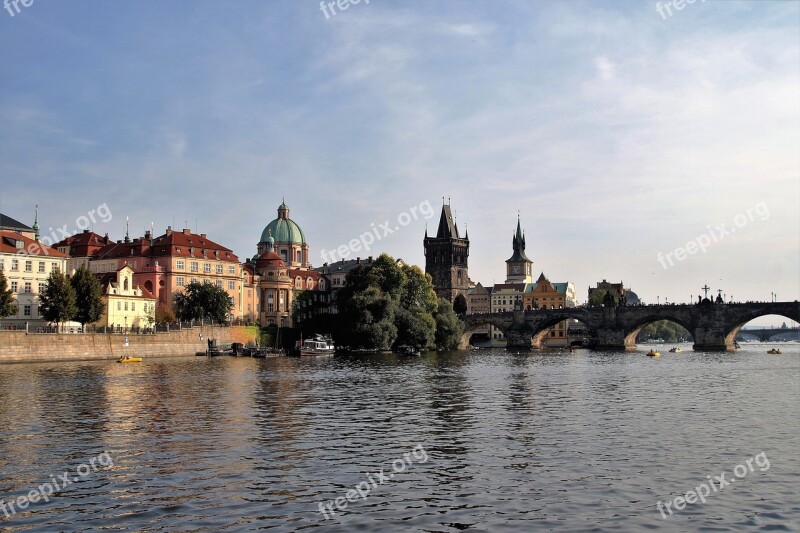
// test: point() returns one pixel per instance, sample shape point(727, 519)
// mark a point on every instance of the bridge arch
point(635, 327)
point(733, 328)
point(472, 323)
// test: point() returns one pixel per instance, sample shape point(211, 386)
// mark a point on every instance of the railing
point(109, 330)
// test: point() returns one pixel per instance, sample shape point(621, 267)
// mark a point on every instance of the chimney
point(169, 230)
point(358, 260)
point(147, 235)
point(370, 259)
point(202, 235)
point(186, 231)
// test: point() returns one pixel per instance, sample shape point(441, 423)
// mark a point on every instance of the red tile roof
point(9, 240)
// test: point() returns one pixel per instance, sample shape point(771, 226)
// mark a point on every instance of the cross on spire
point(705, 289)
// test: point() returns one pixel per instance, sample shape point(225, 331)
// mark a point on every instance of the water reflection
point(515, 441)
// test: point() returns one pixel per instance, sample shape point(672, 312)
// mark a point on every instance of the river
point(478, 441)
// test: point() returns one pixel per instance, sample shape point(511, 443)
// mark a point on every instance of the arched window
point(125, 285)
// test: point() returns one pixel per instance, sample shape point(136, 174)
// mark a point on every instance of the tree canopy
point(383, 305)
point(88, 296)
point(203, 300)
point(7, 305)
point(57, 301)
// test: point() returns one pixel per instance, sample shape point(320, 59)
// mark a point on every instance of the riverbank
point(21, 347)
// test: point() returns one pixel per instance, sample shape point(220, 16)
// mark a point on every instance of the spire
point(447, 228)
point(36, 224)
point(127, 236)
point(466, 232)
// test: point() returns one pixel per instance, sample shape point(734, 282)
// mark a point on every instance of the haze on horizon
point(615, 133)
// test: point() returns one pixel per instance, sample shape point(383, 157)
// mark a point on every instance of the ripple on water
point(583, 442)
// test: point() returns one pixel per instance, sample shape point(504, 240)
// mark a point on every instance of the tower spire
point(127, 235)
point(36, 224)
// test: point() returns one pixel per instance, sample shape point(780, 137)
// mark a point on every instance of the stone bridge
point(714, 326)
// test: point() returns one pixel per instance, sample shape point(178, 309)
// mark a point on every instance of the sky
point(661, 149)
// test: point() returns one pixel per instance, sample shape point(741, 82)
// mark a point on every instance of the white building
point(27, 264)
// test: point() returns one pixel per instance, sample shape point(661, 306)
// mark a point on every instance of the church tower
point(518, 267)
point(446, 258)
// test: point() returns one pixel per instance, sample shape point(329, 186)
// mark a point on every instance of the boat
point(407, 350)
point(318, 345)
point(675, 350)
point(653, 353)
point(129, 359)
point(736, 345)
point(774, 351)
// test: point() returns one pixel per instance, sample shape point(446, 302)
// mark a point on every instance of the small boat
point(675, 350)
point(653, 353)
point(736, 345)
point(319, 345)
point(774, 351)
point(129, 359)
point(407, 350)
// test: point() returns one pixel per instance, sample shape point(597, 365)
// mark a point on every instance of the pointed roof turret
point(447, 228)
point(542, 278)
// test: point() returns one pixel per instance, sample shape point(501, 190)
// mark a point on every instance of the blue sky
point(616, 133)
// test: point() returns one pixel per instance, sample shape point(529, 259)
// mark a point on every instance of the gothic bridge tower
point(446, 258)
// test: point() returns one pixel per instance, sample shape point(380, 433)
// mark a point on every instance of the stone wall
point(19, 347)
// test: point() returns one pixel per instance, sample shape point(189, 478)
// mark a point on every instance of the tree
point(599, 295)
point(448, 327)
point(203, 300)
point(664, 329)
point(7, 305)
point(164, 315)
point(57, 301)
point(88, 296)
point(460, 305)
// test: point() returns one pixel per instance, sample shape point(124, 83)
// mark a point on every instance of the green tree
point(598, 296)
point(88, 296)
point(663, 329)
point(460, 305)
point(448, 327)
point(7, 305)
point(57, 301)
point(203, 300)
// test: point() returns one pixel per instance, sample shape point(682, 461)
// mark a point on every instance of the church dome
point(283, 229)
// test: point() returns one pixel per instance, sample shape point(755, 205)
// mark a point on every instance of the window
point(126, 306)
point(180, 281)
point(180, 264)
point(231, 270)
point(15, 264)
point(194, 266)
point(219, 269)
point(27, 286)
point(206, 268)
point(26, 310)
point(133, 306)
point(231, 285)
point(270, 307)
point(194, 280)
point(219, 283)
point(119, 306)
point(28, 266)
point(2, 264)
point(53, 267)
point(42, 286)
point(13, 286)
point(41, 266)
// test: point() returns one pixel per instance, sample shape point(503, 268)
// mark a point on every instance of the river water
point(478, 441)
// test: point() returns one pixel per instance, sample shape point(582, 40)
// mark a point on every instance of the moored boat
point(407, 350)
point(318, 345)
point(129, 359)
point(774, 351)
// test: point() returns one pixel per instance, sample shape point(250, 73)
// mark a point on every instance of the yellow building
point(126, 305)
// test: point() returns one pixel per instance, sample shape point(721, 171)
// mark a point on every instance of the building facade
point(27, 264)
point(126, 304)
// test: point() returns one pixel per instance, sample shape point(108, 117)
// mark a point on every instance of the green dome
point(283, 230)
